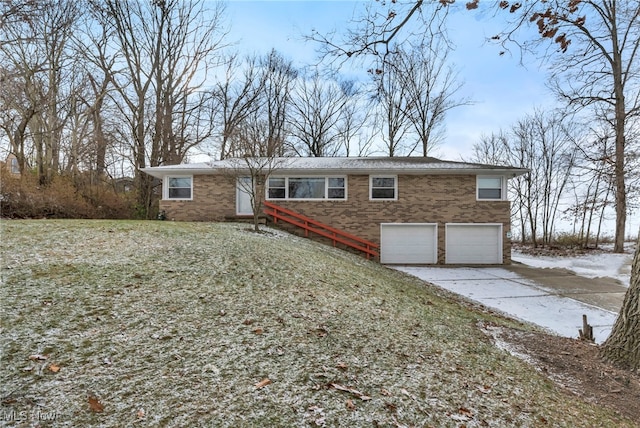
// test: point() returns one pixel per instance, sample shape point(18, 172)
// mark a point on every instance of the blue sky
point(503, 90)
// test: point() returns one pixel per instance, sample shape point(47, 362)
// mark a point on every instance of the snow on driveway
point(597, 265)
point(518, 297)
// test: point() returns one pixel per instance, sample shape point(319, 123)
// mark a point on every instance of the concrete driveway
point(554, 299)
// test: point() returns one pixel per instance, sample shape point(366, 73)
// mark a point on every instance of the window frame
point(395, 187)
point(268, 188)
point(326, 187)
point(503, 190)
point(166, 188)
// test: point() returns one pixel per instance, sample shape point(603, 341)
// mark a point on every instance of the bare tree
point(593, 183)
point(316, 116)
point(356, 135)
point(492, 149)
point(431, 85)
point(92, 46)
point(13, 11)
point(237, 99)
point(167, 47)
point(382, 28)
point(598, 70)
point(594, 69)
point(279, 80)
point(250, 171)
point(38, 72)
point(392, 99)
point(17, 109)
point(542, 143)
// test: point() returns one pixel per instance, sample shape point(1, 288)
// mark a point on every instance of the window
point(335, 188)
point(306, 188)
point(490, 188)
point(277, 188)
point(383, 188)
point(179, 187)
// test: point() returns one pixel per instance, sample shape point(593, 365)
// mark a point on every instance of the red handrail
point(311, 225)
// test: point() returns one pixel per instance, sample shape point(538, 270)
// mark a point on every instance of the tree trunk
point(620, 150)
point(623, 345)
point(257, 198)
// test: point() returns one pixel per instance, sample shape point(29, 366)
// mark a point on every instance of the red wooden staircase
point(279, 213)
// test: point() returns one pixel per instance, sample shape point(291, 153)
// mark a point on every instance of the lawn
point(115, 324)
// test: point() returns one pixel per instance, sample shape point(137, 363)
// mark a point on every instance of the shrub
point(64, 197)
point(568, 240)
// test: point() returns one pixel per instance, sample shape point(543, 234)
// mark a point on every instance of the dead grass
point(114, 324)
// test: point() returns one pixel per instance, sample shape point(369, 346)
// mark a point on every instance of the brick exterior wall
point(437, 199)
point(214, 199)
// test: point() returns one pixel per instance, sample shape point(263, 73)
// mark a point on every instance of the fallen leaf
point(466, 412)
point(258, 330)
point(350, 404)
point(485, 389)
point(38, 357)
point(54, 368)
point(95, 404)
point(264, 382)
point(353, 391)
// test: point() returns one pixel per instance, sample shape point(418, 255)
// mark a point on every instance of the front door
point(244, 189)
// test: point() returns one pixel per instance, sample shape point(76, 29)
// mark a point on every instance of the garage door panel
point(408, 243)
point(473, 243)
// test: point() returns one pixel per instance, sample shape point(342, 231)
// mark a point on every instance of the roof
point(338, 165)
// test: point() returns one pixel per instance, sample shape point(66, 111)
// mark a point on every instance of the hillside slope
point(191, 324)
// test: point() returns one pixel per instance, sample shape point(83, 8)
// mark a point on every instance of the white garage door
point(472, 243)
point(408, 243)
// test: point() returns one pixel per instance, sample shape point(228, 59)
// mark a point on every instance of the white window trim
point(326, 188)
point(395, 187)
point(165, 188)
point(503, 188)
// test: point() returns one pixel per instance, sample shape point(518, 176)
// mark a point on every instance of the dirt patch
point(576, 366)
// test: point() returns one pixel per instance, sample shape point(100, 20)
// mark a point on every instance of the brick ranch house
point(417, 210)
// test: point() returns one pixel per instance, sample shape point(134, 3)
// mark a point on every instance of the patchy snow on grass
point(113, 324)
point(597, 265)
